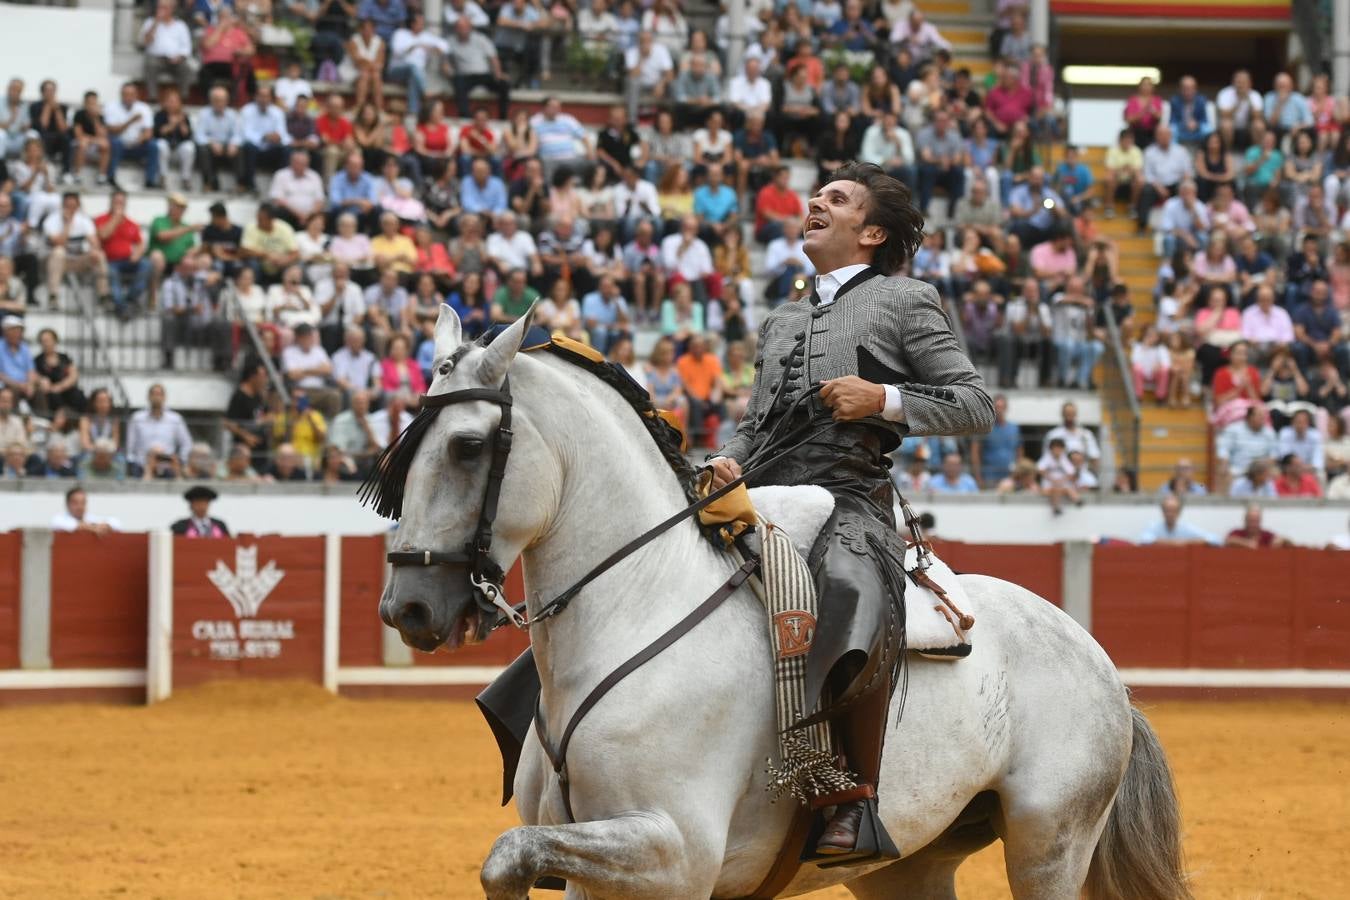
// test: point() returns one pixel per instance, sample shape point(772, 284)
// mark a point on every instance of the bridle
point(484, 573)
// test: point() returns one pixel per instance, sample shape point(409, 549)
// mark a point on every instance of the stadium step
point(1166, 436)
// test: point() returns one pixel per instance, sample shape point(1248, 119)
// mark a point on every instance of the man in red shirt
point(477, 139)
point(1295, 480)
point(124, 246)
point(1251, 535)
point(335, 130)
point(775, 204)
point(1008, 103)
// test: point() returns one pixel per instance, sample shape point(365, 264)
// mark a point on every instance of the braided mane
point(383, 488)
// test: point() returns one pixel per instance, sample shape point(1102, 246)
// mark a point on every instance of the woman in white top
point(713, 145)
point(250, 301)
point(365, 64)
point(313, 246)
point(35, 189)
point(291, 303)
point(353, 248)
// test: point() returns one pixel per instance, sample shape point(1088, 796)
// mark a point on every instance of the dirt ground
point(254, 790)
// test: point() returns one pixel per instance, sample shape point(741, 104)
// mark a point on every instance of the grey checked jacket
point(886, 330)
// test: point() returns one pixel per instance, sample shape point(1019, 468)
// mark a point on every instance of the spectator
point(89, 134)
point(78, 518)
point(1183, 483)
point(1073, 180)
point(391, 421)
point(352, 433)
point(716, 204)
point(50, 127)
point(1077, 439)
point(1286, 109)
point(156, 426)
point(1295, 478)
point(1242, 443)
point(604, 313)
point(1255, 269)
point(512, 248)
point(297, 191)
point(1124, 165)
point(1172, 529)
point(697, 91)
point(850, 31)
point(889, 146)
point(302, 429)
point(1053, 261)
point(354, 368)
point(775, 205)
point(953, 479)
point(1238, 106)
point(1166, 165)
point(246, 416)
point(513, 298)
point(97, 423)
point(642, 260)
point(1151, 365)
point(1300, 439)
point(17, 371)
point(1078, 342)
point(993, 455)
point(1302, 272)
point(269, 245)
point(398, 371)
point(1266, 327)
point(1008, 103)
point(200, 523)
point(391, 248)
point(1189, 117)
point(650, 70)
point(1284, 390)
point(1143, 113)
point(482, 192)
point(1258, 481)
point(1059, 475)
point(942, 162)
point(979, 211)
point(288, 464)
point(1218, 327)
point(218, 136)
point(981, 312)
point(74, 248)
point(473, 58)
point(1026, 332)
point(265, 140)
point(1038, 213)
point(701, 375)
point(14, 464)
point(57, 377)
point(168, 49)
point(101, 463)
point(13, 119)
point(1251, 535)
point(411, 49)
point(1318, 332)
point(785, 261)
point(686, 258)
point(367, 55)
point(188, 313)
point(1262, 163)
point(563, 141)
point(227, 52)
point(131, 126)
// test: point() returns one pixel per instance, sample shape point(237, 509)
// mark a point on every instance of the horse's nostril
point(414, 618)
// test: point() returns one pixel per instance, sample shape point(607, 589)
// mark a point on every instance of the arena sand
point(267, 790)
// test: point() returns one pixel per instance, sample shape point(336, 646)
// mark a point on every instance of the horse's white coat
point(668, 771)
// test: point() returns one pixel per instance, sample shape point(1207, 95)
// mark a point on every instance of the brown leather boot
point(841, 834)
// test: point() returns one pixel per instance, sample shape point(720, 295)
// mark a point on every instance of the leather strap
point(500, 397)
point(789, 859)
point(558, 758)
point(852, 795)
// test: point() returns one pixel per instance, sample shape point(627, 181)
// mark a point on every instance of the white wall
point(72, 46)
point(266, 510)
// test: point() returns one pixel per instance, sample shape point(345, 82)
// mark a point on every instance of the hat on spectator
point(11, 322)
point(177, 199)
point(199, 492)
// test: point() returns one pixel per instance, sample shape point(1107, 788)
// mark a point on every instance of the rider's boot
point(841, 834)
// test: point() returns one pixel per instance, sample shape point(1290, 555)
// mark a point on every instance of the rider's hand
point(852, 398)
point(724, 469)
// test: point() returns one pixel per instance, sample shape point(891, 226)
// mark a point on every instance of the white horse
point(667, 772)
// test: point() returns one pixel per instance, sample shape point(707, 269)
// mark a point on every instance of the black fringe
point(383, 488)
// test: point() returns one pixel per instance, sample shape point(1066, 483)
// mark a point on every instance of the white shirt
point(170, 39)
point(77, 238)
point(751, 95)
point(827, 286)
point(412, 48)
point(64, 521)
point(302, 193)
point(138, 114)
point(637, 202)
point(780, 250)
point(1080, 439)
point(351, 305)
point(294, 359)
point(652, 68)
point(288, 90)
point(693, 264)
point(1241, 108)
point(514, 252)
point(472, 11)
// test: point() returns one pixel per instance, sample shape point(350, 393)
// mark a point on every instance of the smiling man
point(883, 351)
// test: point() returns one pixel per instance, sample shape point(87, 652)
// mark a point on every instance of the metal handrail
point(1118, 383)
point(102, 364)
point(278, 383)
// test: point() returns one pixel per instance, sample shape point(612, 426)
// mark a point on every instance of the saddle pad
point(802, 511)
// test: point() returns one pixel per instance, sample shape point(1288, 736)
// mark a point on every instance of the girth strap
point(558, 758)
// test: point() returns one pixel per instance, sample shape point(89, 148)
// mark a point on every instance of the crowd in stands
point(375, 206)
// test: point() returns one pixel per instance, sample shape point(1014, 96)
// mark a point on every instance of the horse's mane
point(383, 488)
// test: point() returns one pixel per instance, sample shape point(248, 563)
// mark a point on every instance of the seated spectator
point(749, 93)
point(953, 479)
point(392, 249)
point(1258, 481)
point(701, 375)
point(1059, 476)
point(1189, 117)
point(218, 136)
point(1166, 166)
point(1251, 535)
point(1053, 261)
point(201, 463)
point(1078, 342)
point(168, 49)
point(604, 314)
point(1073, 180)
point(269, 246)
point(1244, 442)
point(1300, 439)
point(1262, 164)
point(1238, 106)
point(297, 191)
point(981, 312)
point(264, 138)
point(90, 138)
point(188, 316)
point(889, 146)
point(563, 141)
point(1185, 221)
point(336, 135)
point(650, 71)
point(511, 248)
point(18, 374)
point(1266, 327)
point(1214, 167)
point(1218, 327)
point(1315, 216)
point(15, 461)
point(1025, 332)
point(97, 422)
point(227, 52)
point(246, 417)
point(1143, 113)
point(1285, 391)
point(78, 518)
point(287, 465)
point(156, 426)
point(1124, 174)
point(1172, 530)
point(776, 205)
point(308, 368)
point(354, 368)
point(942, 161)
point(1255, 269)
point(102, 463)
point(47, 118)
point(785, 262)
point(57, 377)
point(290, 303)
point(1318, 331)
point(393, 419)
point(1077, 439)
point(74, 248)
point(411, 49)
point(1151, 365)
point(352, 433)
point(696, 91)
point(1236, 388)
point(686, 259)
point(1008, 103)
point(398, 371)
point(1037, 213)
point(1302, 272)
point(1183, 483)
point(299, 427)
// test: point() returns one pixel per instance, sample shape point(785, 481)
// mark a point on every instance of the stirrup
point(874, 843)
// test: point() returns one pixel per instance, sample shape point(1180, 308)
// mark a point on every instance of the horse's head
point(448, 457)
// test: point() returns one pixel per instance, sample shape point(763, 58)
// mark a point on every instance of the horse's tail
point(1139, 855)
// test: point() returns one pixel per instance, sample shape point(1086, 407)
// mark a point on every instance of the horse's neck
point(615, 486)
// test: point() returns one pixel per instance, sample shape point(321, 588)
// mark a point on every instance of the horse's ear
point(448, 332)
point(499, 354)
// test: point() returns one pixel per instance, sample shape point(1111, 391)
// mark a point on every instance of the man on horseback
point(882, 351)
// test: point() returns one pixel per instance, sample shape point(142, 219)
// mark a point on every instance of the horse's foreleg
point(640, 855)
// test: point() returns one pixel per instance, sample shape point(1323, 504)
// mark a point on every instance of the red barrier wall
point(1037, 567)
point(1207, 607)
point(99, 588)
point(289, 620)
point(362, 584)
point(11, 551)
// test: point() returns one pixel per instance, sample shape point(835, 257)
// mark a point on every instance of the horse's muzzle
point(427, 608)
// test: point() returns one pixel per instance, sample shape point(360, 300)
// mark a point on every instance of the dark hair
point(72, 492)
point(1057, 442)
point(251, 367)
point(889, 205)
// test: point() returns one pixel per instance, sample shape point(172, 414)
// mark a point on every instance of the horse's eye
point(467, 448)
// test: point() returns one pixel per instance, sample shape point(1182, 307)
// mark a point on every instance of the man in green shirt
point(170, 239)
point(513, 298)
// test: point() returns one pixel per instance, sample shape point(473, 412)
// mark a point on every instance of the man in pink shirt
point(1265, 326)
point(1053, 261)
point(1230, 214)
point(1008, 103)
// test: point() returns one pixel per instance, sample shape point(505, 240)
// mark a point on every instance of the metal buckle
point(497, 597)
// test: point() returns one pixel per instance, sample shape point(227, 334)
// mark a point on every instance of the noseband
point(484, 574)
